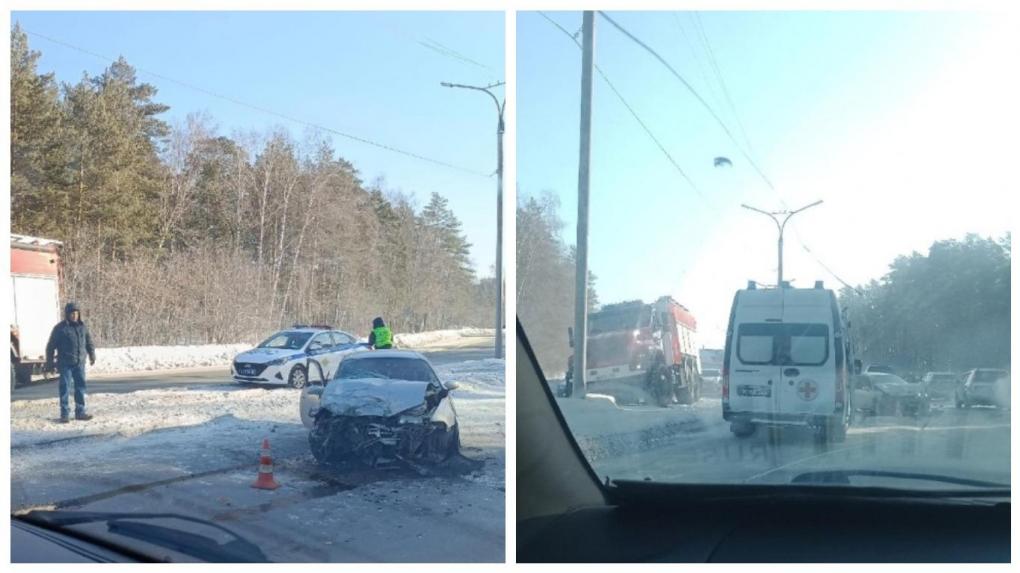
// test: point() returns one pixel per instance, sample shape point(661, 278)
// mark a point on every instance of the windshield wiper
point(204, 548)
point(843, 477)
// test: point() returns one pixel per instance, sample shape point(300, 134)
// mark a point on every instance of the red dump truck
point(35, 303)
point(642, 353)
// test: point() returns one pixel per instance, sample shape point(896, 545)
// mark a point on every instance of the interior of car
point(564, 513)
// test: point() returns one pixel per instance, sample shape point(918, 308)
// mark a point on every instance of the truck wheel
point(661, 385)
point(14, 377)
point(833, 431)
point(23, 374)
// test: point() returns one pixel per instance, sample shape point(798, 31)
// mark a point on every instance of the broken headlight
point(419, 410)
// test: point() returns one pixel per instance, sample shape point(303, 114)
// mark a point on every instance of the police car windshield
point(287, 340)
point(390, 368)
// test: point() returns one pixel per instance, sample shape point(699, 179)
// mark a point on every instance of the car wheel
point(742, 429)
point(298, 377)
point(836, 432)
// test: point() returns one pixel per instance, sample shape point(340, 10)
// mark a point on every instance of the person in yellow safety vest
point(381, 337)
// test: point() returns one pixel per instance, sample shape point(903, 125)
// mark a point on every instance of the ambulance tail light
point(725, 383)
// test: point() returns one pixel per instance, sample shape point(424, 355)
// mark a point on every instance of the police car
point(283, 357)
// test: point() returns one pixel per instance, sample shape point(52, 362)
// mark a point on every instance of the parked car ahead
point(283, 357)
point(982, 386)
point(711, 382)
point(881, 394)
point(941, 386)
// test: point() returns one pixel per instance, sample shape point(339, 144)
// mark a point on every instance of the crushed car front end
point(384, 421)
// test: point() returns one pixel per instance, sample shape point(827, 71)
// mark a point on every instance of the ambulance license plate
point(754, 391)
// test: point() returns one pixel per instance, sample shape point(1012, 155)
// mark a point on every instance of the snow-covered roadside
point(439, 338)
point(158, 358)
point(201, 416)
point(603, 429)
point(151, 358)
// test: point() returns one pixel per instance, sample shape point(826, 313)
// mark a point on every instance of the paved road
point(204, 378)
point(972, 444)
point(204, 468)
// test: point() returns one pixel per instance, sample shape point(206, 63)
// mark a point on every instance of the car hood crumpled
point(372, 396)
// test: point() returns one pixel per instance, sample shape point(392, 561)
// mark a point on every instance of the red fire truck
point(35, 303)
point(642, 353)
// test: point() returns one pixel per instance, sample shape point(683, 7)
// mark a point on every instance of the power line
point(451, 53)
point(725, 129)
point(719, 77)
point(269, 111)
point(694, 92)
point(634, 114)
point(697, 59)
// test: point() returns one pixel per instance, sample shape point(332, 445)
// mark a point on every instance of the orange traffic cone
point(265, 479)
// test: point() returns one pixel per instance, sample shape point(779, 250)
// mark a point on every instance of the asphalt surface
point(971, 443)
point(451, 513)
point(201, 379)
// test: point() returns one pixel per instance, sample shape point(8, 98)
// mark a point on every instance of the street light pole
point(781, 227)
point(499, 204)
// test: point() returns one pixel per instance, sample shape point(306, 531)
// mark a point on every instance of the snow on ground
point(147, 358)
point(439, 338)
point(203, 416)
point(603, 429)
point(155, 358)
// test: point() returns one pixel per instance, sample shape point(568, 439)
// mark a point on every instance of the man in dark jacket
point(73, 343)
point(381, 337)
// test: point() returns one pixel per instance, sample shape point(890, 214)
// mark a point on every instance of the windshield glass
point(989, 375)
point(387, 368)
point(798, 229)
point(627, 317)
point(289, 340)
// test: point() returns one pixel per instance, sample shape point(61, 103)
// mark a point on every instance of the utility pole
point(583, 184)
point(781, 227)
point(500, 126)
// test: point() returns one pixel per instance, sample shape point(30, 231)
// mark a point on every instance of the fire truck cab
point(642, 353)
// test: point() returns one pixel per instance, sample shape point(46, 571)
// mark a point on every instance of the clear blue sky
point(900, 122)
point(364, 73)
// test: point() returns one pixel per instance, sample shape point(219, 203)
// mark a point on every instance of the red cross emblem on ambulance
point(807, 390)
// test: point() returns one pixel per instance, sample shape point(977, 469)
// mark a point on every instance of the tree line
point(546, 267)
point(176, 234)
point(948, 310)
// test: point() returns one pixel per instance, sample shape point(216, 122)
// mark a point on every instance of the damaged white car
point(381, 407)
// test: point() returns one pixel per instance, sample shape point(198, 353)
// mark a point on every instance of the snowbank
point(206, 414)
point(603, 429)
point(154, 358)
point(439, 337)
point(147, 358)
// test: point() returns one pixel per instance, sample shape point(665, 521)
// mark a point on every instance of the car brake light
point(725, 383)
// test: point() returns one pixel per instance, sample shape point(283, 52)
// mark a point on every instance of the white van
point(786, 362)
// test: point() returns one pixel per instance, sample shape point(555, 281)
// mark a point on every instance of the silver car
point(982, 386)
point(384, 406)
